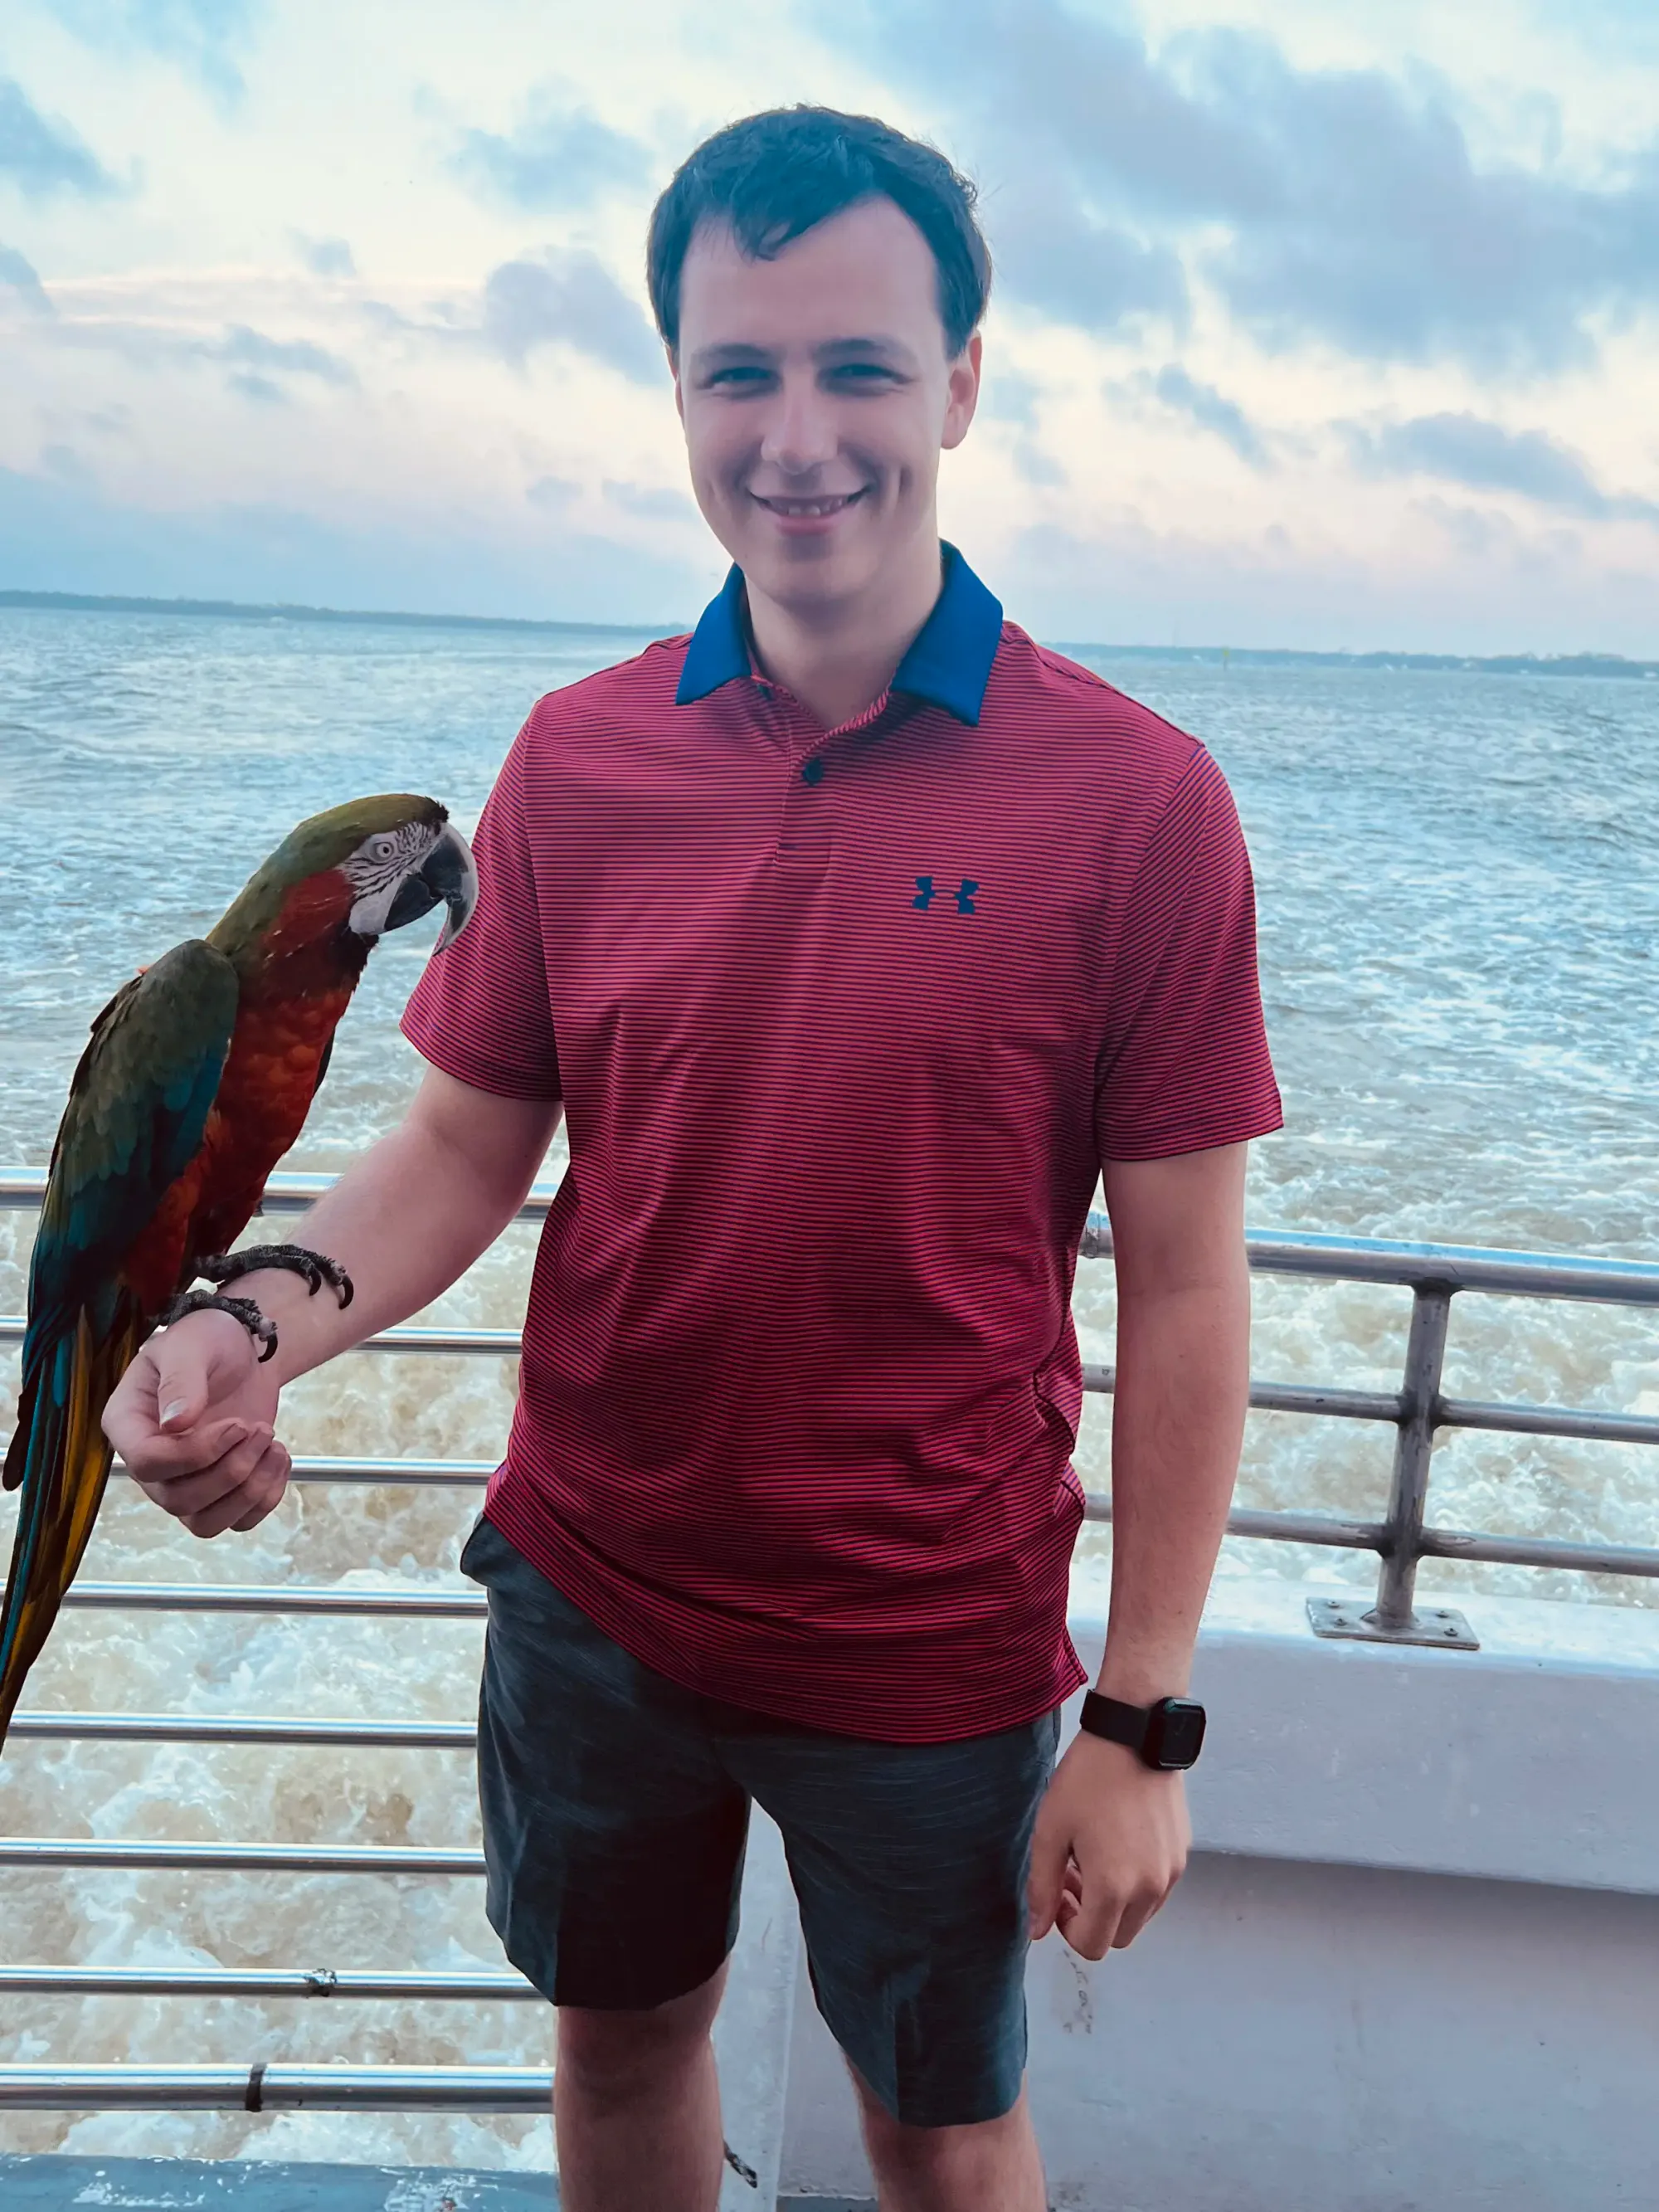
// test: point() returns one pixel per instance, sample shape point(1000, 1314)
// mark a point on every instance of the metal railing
point(1419, 1412)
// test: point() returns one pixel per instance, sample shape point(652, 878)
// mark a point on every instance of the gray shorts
point(615, 1807)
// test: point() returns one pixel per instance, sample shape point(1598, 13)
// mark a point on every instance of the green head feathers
point(368, 841)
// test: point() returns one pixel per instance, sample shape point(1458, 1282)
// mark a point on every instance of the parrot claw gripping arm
point(242, 1309)
point(316, 1267)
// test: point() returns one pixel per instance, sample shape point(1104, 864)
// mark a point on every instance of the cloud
point(261, 390)
point(324, 257)
point(62, 537)
point(650, 503)
point(569, 298)
point(1484, 456)
point(1034, 466)
point(258, 365)
point(1212, 411)
point(1007, 397)
point(203, 36)
point(1343, 207)
point(252, 351)
point(42, 157)
point(21, 276)
point(552, 494)
point(1057, 257)
point(559, 157)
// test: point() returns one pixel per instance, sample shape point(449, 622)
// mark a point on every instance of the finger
point(199, 1487)
point(158, 1459)
point(130, 1418)
point(181, 1381)
point(1091, 1929)
point(267, 1485)
point(1051, 1854)
point(1135, 1914)
point(246, 1505)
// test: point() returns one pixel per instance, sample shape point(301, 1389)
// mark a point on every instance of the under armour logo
point(964, 895)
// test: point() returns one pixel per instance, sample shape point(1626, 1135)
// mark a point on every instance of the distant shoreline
point(1508, 664)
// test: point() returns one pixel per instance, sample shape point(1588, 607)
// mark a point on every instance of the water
point(1460, 909)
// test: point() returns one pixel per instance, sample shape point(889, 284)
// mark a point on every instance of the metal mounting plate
point(1440, 1625)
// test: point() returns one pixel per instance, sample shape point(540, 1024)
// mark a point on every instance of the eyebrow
point(707, 359)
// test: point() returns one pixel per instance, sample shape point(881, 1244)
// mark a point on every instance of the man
point(856, 936)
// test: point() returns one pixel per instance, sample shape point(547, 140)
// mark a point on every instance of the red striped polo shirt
point(844, 1023)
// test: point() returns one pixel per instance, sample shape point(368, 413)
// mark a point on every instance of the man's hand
point(192, 1419)
point(1111, 1843)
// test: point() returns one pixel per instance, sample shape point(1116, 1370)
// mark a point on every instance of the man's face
point(817, 396)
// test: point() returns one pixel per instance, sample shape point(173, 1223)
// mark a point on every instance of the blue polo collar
point(948, 663)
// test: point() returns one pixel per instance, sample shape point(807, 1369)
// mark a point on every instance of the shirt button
point(813, 772)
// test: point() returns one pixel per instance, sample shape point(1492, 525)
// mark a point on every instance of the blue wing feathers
point(138, 1108)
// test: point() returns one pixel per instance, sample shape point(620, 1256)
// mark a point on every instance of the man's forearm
point(1182, 1387)
point(405, 1221)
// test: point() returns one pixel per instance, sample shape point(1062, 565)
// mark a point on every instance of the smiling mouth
point(809, 510)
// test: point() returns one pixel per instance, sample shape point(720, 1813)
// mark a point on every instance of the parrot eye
point(384, 848)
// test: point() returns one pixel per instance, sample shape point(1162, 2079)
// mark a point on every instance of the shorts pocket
point(483, 1545)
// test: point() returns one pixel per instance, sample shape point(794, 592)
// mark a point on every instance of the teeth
point(809, 507)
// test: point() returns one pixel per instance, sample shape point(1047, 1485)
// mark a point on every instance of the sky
point(1313, 325)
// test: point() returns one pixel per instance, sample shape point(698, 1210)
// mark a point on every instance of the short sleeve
point(1184, 1062)
point(480, 1012)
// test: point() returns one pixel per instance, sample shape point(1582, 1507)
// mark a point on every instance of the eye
point(866, 379)
point(383, 848)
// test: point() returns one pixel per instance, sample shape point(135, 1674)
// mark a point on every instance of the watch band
point(1166, 1735)
point(1129, 1725)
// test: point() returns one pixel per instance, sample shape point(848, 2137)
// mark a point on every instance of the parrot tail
point(60, 1460)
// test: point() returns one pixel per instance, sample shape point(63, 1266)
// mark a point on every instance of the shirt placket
point(807, 820)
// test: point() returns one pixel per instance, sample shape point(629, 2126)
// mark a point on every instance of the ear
point(679, 396)
point(964, 393)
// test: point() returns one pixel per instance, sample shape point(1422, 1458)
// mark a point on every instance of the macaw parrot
point(198, 1077)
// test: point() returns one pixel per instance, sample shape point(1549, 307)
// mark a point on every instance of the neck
point(837, 659)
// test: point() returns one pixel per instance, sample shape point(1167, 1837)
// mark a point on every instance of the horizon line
point(1564, 664)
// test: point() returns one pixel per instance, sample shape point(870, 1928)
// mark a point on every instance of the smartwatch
point(1168, 1735)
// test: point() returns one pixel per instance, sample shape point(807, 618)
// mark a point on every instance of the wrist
point(1143, 1681)
point(1166, 1734)
point(304, 1324)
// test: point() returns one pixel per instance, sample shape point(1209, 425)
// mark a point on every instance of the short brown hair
point(774, 175)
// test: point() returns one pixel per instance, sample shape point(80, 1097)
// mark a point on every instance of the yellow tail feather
point(73, 1477)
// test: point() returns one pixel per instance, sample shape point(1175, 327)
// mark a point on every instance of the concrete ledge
point(1535, 1759)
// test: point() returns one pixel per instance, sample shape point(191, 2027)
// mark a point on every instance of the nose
point(800, 434)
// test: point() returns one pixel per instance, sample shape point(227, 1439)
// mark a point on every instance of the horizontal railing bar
point(272, 2089)
point(1280, 1528)
point(286, 1981)
point(1349, 1259)
point(393, 1474)
point(504, 1343)
point(1436, 1543)
point(133, 1853)
point(238, 1727)
point(25, 1188)
point(1289, 1398)
point(281, 1597)
point(1523, 1420)
point(1329, 1530)
point(1541, 1552)
point(1413, 1267)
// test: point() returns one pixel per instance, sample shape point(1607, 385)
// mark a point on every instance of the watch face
point(1178, 1733)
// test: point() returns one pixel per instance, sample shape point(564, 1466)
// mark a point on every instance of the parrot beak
point(448, 877)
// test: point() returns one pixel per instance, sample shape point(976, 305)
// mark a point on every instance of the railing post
point(1394, 1619)
point(1426, 1360)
